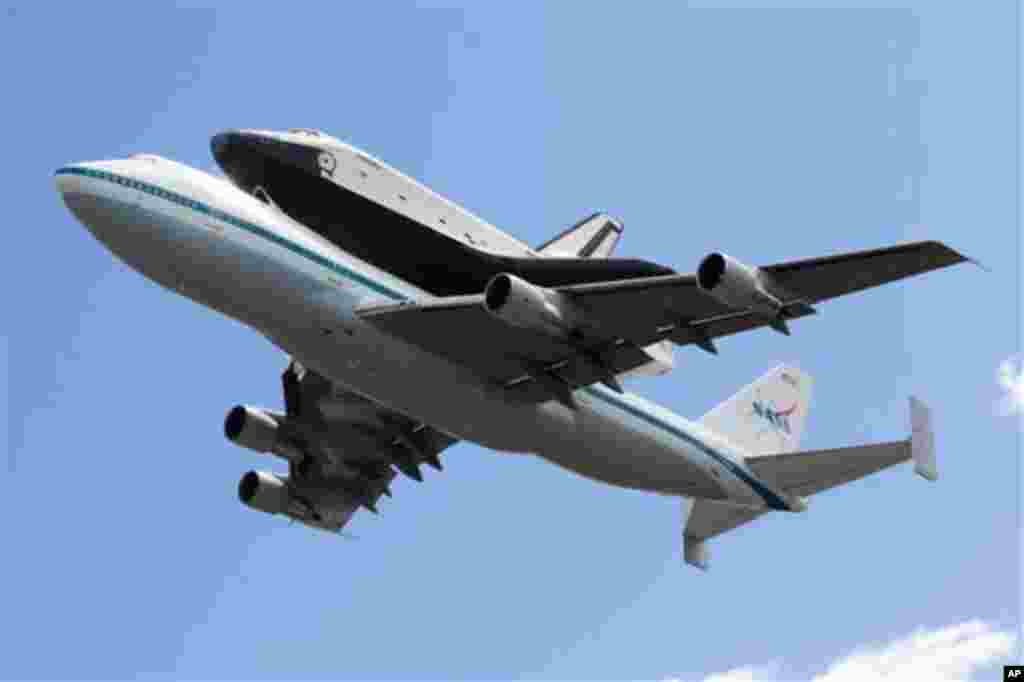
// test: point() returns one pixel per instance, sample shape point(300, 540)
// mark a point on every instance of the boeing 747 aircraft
point(412, 324)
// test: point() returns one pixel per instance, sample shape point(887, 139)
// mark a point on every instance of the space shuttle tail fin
point(592, 237)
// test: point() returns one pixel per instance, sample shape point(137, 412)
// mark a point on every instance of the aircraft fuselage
point(216, 244)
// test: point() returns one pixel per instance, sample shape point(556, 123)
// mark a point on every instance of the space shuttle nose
point(225, 141)
point(228, 148)
point(219, 142)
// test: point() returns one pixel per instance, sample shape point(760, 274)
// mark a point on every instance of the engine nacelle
point(736, 285)
point(259, 430)
point(251, 428)
point(516, 302)
point(271, 494)
point(264, 492)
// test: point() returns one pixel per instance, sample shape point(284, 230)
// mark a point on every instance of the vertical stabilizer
point(592, 237)
point(922, 440)
point(767, 417)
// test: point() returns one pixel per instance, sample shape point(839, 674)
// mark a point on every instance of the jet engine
point(259, 430)
point(736, 285)
point(264, 492)
point(518, 303)
point(272, 494)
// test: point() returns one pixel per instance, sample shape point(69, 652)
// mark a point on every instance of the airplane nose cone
point(79, 178)
point(67, 178)
point(82, 188)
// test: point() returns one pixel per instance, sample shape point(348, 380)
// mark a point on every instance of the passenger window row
point(148, 189)
point(162, 193)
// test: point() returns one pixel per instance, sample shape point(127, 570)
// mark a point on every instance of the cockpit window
point(306, 131)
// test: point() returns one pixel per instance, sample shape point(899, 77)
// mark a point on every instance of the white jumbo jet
point(411, 324)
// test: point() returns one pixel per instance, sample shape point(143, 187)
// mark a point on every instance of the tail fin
point(922, 440)
point(766, 417)
point(592, 237)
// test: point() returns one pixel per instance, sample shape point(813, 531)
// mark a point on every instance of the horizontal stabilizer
point(704, 519)
point(801, 474)
point(813, 471)
point(695, 552)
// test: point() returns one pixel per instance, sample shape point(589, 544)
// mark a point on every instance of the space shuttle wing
point(612, 322)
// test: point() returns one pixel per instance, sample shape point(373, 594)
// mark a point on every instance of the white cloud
point(945, 655)
point(1011, 379)
point(951, 654)
point(749, 674)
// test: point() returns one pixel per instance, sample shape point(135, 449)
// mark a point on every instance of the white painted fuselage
point(206, 239)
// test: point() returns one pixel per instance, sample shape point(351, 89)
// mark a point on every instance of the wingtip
point(978, 263)
point(955, 256)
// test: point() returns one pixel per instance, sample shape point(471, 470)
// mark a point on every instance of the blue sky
point(771, 134)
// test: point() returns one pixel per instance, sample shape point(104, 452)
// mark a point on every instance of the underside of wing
point(342, 449)
point(547, 342)
point(506, 356)
point(699, 308)
point(819, 279)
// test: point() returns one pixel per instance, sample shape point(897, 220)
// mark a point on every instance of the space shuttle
point(388, 219)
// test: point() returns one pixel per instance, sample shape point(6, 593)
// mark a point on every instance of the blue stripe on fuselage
point(608, 396)
point(186, 202)
point(772, 500)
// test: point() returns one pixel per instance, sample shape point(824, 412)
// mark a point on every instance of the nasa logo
point(779, 419)
point(327, 163)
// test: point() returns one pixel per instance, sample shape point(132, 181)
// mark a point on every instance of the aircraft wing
point(345, 448)
point(628, 315)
